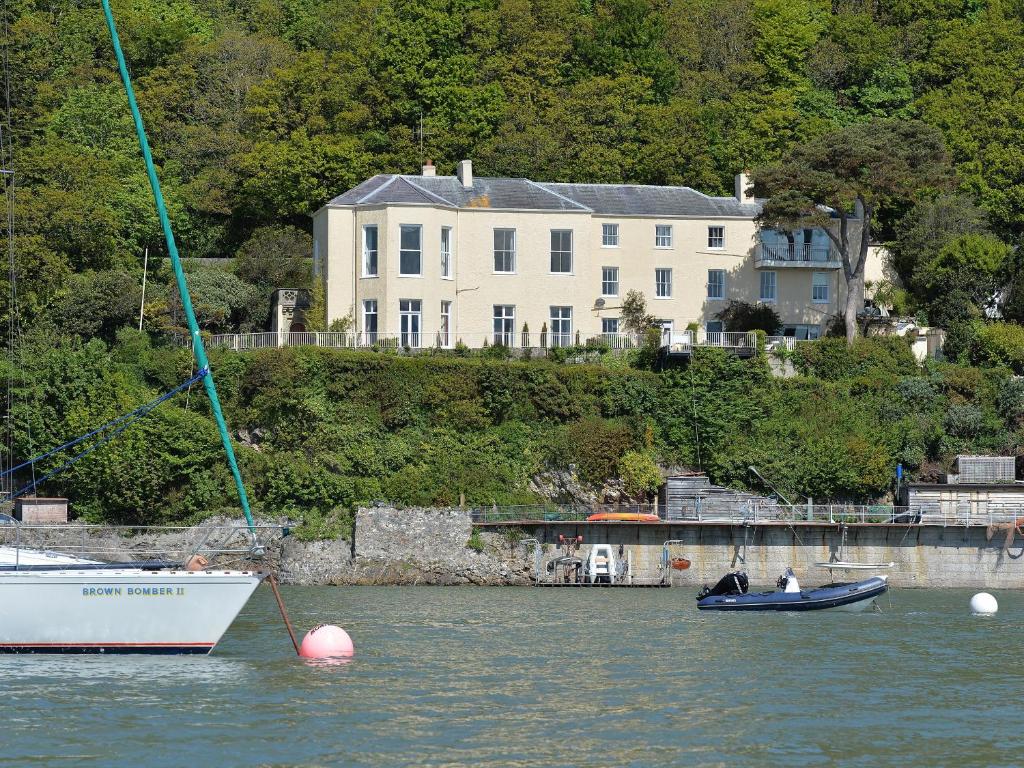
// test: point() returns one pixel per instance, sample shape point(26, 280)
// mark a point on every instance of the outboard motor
point(734, 583)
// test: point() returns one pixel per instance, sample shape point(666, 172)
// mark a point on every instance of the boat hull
point(849, 598)
point(120, 611)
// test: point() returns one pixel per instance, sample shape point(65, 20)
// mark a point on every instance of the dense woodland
point(261, 110)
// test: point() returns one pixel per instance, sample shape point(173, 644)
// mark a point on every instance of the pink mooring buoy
point(325, 642)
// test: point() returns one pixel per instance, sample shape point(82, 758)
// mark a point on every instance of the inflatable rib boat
point(730, 594)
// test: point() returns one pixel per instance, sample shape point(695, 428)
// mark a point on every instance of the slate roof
point(523, 194)
point(641, 200)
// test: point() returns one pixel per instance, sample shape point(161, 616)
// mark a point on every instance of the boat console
point(735, 583)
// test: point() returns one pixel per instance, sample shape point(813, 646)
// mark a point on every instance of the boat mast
point(179, 274)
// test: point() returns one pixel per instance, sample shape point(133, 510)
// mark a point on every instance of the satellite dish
point(599, 304)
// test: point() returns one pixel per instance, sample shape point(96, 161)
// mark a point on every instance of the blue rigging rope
point(121, 422)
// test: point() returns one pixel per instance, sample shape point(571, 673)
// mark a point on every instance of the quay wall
point(923, 555)
point(442, 546)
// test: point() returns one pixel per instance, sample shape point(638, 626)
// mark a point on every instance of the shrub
point(640, 474)
point(743, 316)
point(475, 542)
point(1010, 400)
point(999, 344)
point(98, 304)
point(916, 392)
point(965, 421)
point(834, 359)
point(594, 446)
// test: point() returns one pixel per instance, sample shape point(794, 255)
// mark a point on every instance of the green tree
point(640, 474)
point(743, 316)
point(927, 227)
point(842, 181)
point(962, 280)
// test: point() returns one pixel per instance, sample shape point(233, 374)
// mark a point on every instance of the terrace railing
point(372, 340)
point(752, 513)
point(795, 252)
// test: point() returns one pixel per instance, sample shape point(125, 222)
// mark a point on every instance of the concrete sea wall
point(429, 546)
point(923, 556)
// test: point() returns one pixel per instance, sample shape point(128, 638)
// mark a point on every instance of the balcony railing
point(677, 341)
point(795, 253)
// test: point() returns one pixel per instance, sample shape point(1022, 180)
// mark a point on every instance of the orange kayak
point(623, 517)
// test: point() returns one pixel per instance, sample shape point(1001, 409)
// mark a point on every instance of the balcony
point(806, 255)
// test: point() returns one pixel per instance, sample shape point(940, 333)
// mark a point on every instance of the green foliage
point(223, 302)
point(640, 474)
point(961, 280)
point(999, 344)
point(594, 445)
point(97, 304)
point(275, 257)
point(635, 318)
point(831, 359)
point(744, 316)
point(475, 541)
point(927, 227)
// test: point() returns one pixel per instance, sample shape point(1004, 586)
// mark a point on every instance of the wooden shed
point(37, 509)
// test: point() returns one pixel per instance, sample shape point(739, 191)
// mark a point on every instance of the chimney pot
point(744, 194)
point(428, 168)
point(465, 173)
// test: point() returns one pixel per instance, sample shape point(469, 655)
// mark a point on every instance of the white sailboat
point(119, 610)
point(56, 602)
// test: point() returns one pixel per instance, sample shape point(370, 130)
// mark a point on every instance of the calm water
point(543, 677)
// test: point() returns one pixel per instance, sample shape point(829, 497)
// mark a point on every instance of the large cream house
point(434, 260)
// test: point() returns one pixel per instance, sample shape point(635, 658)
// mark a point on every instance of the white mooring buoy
point(983, 604)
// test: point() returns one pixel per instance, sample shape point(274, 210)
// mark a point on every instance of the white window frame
point(663, 284)
point(769, 278)
point(317, 267)
point(821, 280)
point(510, 253)
point(720, 296)
point(561, 252)
point(802, 332)
point(560, 317)
point(716, 237)
point(418, 228)
point(444, 332)
point(607, 282)
point(609, 326)
point(410, 336)
point(609, 235)
point(366, 251)
point(368, 312)
point(662, 235)
point(446, 254)
point(503, 324)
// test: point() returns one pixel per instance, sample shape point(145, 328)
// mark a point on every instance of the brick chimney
point(743, 192)
point(428, 169)
point(465, 173)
